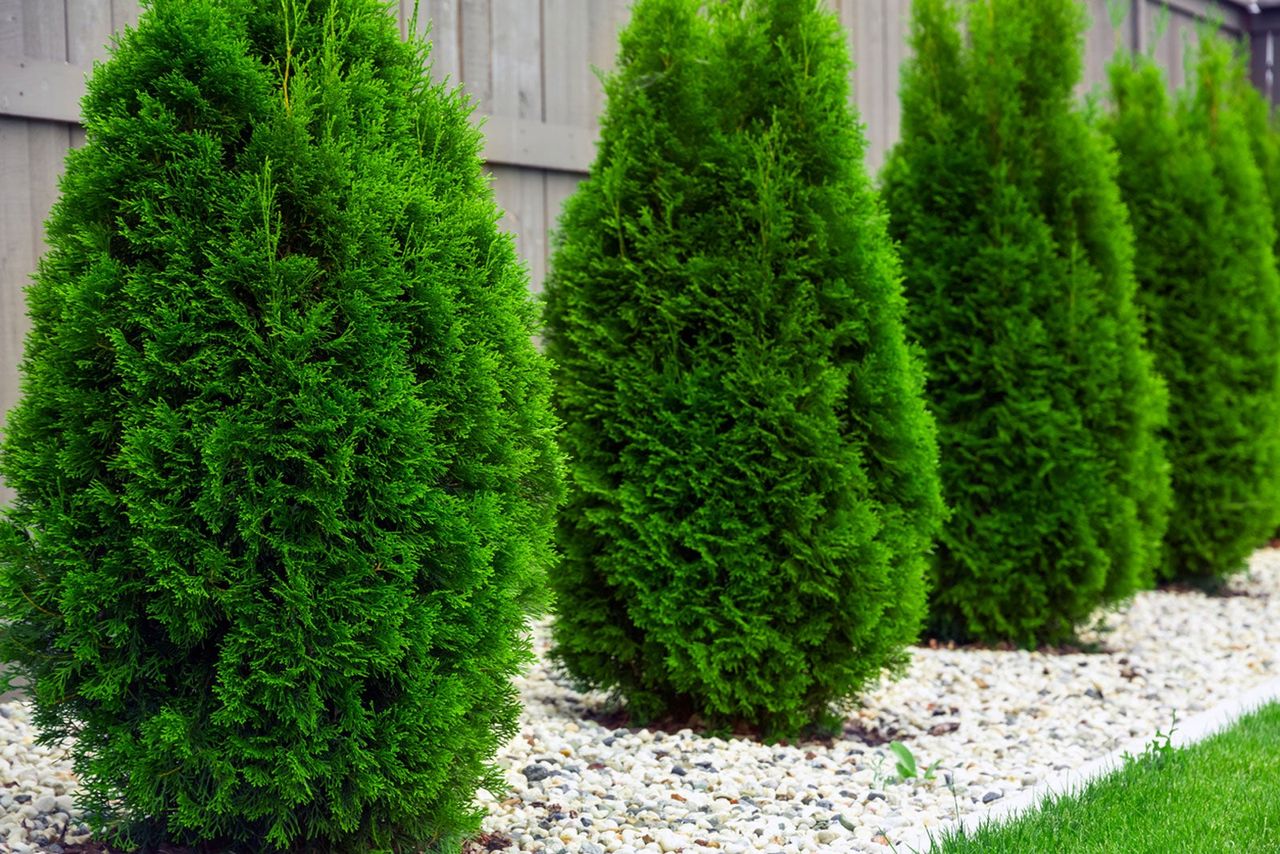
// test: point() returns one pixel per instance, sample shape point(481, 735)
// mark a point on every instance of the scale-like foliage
point(1262, 123)
point(753, 481)
point(1018, 265)
point(1263, 128)
point(1207, 283)
point(285, 461)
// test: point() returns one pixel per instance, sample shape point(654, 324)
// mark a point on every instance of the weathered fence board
point(567, 87)
point(19, 236)
point(89, 29)
point(522, 194)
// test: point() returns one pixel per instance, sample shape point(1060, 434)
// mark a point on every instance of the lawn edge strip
point(1187, 732)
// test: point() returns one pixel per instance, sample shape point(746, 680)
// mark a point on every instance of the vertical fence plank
point(1163, 43)
point(88, 31)
point(869, 54)
point(11, 42)
point(897, 31)
point(1182, 35)
point(44, 29)
point(31, 160)
point(44, 35)
point(88, 38)
point(846, 10)
point(441, 22)
point(566, 63)
point(47, 145)
point(16, 228)
point(124, 13)
point(474, 56)
point(604, 21)
point(1140, 25)
point(560, 186)
point(521, 194)
point(515, 28)
point(568, 87)
point(1099, 46)
point(18, 236)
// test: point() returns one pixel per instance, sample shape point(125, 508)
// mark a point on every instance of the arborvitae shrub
point(285, 462)
point(753, 485)
point(1208, 287)
point(1260, 122)
point(1018, 266)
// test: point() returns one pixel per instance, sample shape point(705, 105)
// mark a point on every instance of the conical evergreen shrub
point(1263, 127)
point(1018, 267)
point(1260, 123)
point(1207, 284)
point(753, 484)
point(284, 461)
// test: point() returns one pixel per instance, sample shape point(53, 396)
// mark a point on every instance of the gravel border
point(1001, 724)
point(997, 722)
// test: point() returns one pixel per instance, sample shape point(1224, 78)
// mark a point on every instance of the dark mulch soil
point(620, 718)
point(1213, 588)
point(871, 736)
point(1078, 648)
point(104, 848)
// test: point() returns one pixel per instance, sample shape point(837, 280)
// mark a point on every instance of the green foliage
point(1262, 123)
point(285, 461)
point(1263, 128)
point(753, 488)
point(1018, 265)
point(1208, 286)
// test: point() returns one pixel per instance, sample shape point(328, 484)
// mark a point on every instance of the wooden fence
point(528, 65)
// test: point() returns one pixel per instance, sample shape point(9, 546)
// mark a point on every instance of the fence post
point(1264, 29)
point(1139, 20)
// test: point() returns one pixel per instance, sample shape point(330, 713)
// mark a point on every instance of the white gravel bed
point(36, 785)
point(997, 722)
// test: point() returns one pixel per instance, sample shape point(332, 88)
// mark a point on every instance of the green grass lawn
point(1220, 795)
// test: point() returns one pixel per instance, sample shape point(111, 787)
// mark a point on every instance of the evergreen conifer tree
point(1018, 268)
point(284, 462)
point(1261, 125)
point(753, 485)
point(1207, 284)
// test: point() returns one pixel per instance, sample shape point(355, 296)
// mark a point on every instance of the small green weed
point(1158, 750)
point(907, 767)
point(877, 771)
